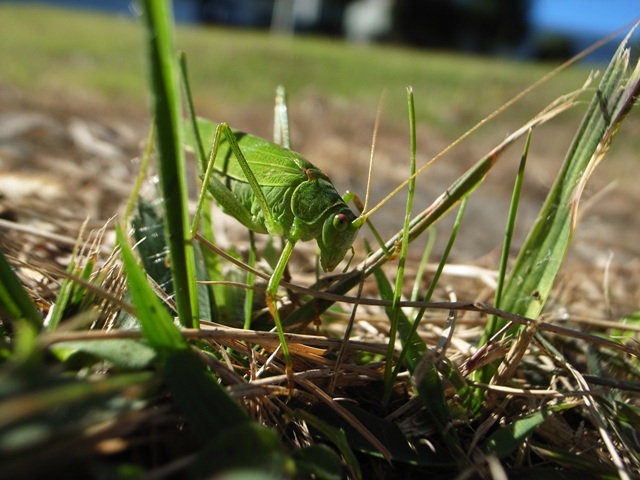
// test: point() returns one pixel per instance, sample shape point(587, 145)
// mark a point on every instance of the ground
point(66, 159)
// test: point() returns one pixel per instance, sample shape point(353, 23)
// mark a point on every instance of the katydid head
point(339, 231)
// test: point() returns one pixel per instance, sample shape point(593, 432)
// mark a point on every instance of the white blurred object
point(367, 20)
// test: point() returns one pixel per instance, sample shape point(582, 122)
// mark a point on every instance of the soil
point(66, 159)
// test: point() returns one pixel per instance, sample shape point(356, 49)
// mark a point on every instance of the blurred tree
point(482, 26)
point(554, 47)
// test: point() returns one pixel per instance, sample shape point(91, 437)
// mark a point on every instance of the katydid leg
point(270, 223)
point(282, 137)
point(219, 190)
point(230, 203)
point(281, 119)
point(225, 197)
point(271, 294)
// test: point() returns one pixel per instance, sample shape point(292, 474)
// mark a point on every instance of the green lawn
point(61, 50)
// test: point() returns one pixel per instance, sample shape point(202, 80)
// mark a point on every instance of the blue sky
point(592, 17)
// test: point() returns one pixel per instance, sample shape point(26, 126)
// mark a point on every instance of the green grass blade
point(426, 254)
point(574, 462)
point(336, 436)
point(545, 247)
point(250, 280)
point(156, 323)
point(166, 102)
point(200, 152)
point(199, 396)
point(14, 299)
point(429, 386)
point(210, 262)
point(408, 338)
point(205, 404)
point(397, 294)
point(508, 438)
point(508, 235)
point(461, 188)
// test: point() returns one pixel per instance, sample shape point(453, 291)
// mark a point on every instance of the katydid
point(270, 189)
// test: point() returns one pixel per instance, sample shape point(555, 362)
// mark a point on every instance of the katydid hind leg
point(273, 227)
point(225, 197)
point(281, 134)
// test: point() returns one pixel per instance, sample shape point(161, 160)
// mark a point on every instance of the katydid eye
point(340, 222)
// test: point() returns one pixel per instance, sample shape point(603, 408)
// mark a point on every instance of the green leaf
point(151, 243)
point(152, 247)
point(122, 353)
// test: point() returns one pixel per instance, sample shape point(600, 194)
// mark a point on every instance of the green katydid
point(270, 189)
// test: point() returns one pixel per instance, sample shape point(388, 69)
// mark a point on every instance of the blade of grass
point(199, 396)
point(14, 299)
point(211, 261)
point(397, 294)
point(575, 462)
point(508, 234)
point(428, 249)
point(166, 102)
point(543, 251)
point(545, 247)
point(212, 414)
point(459, 189)
point(65, 298)
point(429, 387)
point(409, 336)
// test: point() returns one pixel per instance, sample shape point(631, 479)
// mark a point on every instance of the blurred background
point(532, 29)
point(74, 98)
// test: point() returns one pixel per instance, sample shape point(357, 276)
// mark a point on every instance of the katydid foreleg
point(352, 197)
point(271, 294)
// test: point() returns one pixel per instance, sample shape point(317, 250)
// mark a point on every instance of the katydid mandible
point(270, 189)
